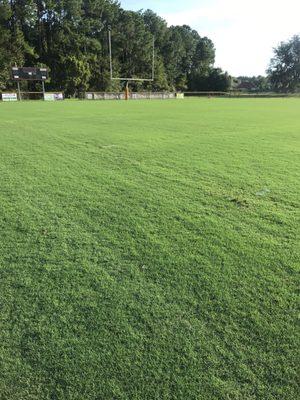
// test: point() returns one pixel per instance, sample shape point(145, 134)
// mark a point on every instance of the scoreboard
point(29, 74)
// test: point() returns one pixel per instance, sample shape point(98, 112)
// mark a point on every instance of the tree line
point(69, 37)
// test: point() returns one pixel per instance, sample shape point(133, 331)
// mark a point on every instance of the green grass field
point(149, 251)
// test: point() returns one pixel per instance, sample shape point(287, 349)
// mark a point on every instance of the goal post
point(129, 79)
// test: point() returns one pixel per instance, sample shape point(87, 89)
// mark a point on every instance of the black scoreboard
point(29, 74)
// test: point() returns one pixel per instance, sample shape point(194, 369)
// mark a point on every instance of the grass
point(149, 250)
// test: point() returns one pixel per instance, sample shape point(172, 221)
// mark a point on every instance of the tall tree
point(284, 70)
point(13, 47)
point(214, 79)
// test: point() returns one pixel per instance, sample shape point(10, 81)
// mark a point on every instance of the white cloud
point(244, 32)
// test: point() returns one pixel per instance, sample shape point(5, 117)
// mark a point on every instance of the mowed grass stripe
point(149, 249)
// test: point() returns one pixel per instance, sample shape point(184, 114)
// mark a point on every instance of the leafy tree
point(133, 45)
point(157, 26)
point(284, 70)
point(204, 55)
point(185, 52)
point(77, 75)
point(13, 47)
point(213, 80)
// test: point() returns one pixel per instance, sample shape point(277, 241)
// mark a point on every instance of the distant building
point(246, 86)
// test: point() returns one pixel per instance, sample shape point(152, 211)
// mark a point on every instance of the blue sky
point(244, 31)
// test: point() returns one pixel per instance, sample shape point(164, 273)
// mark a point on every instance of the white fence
point(133, 96)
